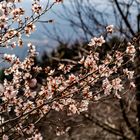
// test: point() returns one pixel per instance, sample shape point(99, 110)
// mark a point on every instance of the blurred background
point(78, 21)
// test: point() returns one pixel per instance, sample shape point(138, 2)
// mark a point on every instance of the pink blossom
point(116, 84)
point(97, 41)
point(5, 137)
point(110, 28)
point(130, 49)
point(107, 87)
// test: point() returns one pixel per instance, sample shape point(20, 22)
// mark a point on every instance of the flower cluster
point(28, 99)
point(97, 41)
point(11, 14)
point(36, 8)
point(17, 12)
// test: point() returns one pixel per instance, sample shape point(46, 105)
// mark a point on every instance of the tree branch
point(124, 18)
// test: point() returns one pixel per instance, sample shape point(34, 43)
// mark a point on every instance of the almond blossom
point(130, 49)
point(97, 41)
point(73, 109)
point(116, 83)
point(110, 28)
point(107, 87)
point(130, 74)
point(5, 137)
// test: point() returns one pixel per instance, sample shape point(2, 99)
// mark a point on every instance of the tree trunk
point(137, 82)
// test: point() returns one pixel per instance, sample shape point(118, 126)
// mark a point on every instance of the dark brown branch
point(124, 18)
point(103, 125)
point(125, 117)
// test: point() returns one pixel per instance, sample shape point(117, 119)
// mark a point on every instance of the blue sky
point(40, 39)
